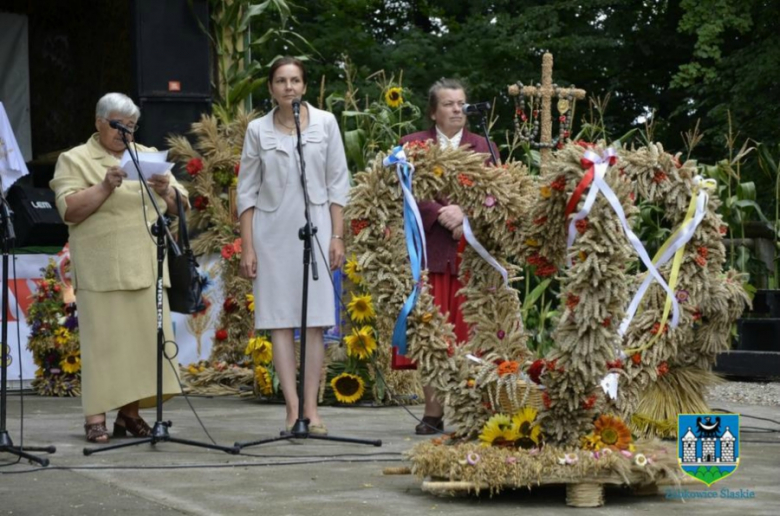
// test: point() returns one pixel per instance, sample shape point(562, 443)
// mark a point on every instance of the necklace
point(279, 121)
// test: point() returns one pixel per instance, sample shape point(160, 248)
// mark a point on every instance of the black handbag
point(185, 294)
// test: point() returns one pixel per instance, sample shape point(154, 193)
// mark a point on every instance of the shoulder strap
point(184, 237)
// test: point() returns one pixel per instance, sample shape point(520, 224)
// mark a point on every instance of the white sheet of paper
point(610, 385)
point(151, 163)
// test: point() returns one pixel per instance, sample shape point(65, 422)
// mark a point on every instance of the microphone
point(476, 109)
point(296, 106)
point(115, 124)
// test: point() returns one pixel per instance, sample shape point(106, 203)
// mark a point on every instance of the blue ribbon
point(415, 242)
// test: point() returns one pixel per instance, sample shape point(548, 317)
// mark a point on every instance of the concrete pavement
point(303, 477)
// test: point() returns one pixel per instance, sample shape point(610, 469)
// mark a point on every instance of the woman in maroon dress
point(443, 222)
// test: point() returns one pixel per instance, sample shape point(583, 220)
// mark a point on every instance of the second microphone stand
point(483, 125)
point(300, 429)
point(6, 444)
point(160, 428)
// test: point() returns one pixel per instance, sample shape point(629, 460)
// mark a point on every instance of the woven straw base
point(584, 495)
point(588, 493)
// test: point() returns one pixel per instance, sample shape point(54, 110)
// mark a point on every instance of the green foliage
point(732, 70)
point(538, 314)
point(232, 22)
point(371, 124)
point(710, 22)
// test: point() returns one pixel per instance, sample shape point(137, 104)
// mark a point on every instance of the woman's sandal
point(96, 432)
point(320, 429)
point(136, 426)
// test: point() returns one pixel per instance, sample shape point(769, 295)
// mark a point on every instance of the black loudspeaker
point(36, 220)
point(162, 116)
point(171, 56)
point(171, 48)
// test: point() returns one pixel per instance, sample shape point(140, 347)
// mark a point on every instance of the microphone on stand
point(476, 109)
point(296, 107)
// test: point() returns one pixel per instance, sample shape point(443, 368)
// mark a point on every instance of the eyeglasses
point(132, 128)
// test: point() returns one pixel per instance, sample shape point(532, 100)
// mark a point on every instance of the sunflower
point(263, 379)
point(393, 97)
point(361, 343)
point(71, 363)
point(528, 434)
point(361, 308)
point(348, 388)
point(612, 432)
point(497, 431)
point(353, 270)
point(261, 350)
point(62, 335)
point(250, 302)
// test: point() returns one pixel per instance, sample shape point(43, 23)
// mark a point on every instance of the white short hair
point(118, 103)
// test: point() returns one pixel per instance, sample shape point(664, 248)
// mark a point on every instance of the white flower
point(640, 460)
point(569, 458)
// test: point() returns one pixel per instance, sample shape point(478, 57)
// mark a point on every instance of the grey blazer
point(261, 185)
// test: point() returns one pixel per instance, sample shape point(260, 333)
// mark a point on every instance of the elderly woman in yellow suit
point(114, 268)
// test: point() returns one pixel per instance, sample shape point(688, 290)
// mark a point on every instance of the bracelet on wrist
point(337, 237)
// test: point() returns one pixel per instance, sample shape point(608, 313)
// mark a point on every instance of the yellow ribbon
point(706, 184)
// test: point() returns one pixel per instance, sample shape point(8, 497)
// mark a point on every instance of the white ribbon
point(600, 168)
point(397, 157)
point(473, 242)
point(683, 237)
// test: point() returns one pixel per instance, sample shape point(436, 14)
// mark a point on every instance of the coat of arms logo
point(708, 445)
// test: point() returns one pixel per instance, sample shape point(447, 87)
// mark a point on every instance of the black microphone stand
point(483, 125)
point(7, 238)
point(300, 429)
point(161, 231)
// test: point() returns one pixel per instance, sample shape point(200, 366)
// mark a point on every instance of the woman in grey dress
point(271, 210)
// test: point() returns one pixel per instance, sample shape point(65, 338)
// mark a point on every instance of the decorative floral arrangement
point(54, 338)
point(669, 368)
point(579, 425)
point(492, 198)
point(352, 363)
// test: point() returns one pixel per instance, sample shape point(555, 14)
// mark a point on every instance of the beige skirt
point(118, 335)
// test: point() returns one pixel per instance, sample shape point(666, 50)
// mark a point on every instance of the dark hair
point(441, 84)
point(286, 60)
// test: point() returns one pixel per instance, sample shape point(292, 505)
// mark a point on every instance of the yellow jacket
point(112, 249)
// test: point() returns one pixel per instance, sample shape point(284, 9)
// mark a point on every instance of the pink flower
point(490, 201)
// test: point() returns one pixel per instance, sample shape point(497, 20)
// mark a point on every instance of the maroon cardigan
point(441, 247)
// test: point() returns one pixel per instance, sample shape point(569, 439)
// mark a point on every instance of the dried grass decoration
point(495, 200)
point(669, 369)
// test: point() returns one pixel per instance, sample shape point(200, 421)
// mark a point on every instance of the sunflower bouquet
point(54, 338)
point(260, 350)
point(353, 360)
